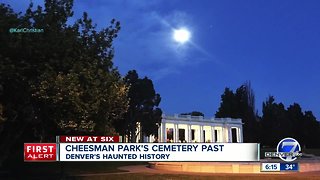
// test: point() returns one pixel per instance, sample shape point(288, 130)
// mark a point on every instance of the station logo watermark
point(288, 150)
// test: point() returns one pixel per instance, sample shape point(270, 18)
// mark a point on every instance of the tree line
point(276, 122)
point(63, 81)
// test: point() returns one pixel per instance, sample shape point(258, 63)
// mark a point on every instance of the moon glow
point(181, 35)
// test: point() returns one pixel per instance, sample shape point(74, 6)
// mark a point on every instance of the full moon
point(181, 35)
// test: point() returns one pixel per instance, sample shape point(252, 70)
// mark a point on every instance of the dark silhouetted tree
point(278, 123)
point(310, 131)
point(61, 81)
point(275, 125)
point(194, 113)
point(295, 118)
point(143, 111)
point(228, 106)
point(241, 104)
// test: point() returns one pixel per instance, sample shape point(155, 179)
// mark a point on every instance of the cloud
point(145, 41)
point(148, 43)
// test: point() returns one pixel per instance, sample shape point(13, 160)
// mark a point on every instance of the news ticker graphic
point(288, 150)
point(91, 148)
point(277, 167)
point(159, 152)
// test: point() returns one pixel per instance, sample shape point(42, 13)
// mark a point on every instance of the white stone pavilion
point(187, 128)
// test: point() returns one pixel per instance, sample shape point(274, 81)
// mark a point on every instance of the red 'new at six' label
point(84, 139)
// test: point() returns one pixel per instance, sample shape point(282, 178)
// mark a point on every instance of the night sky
point(273, 44)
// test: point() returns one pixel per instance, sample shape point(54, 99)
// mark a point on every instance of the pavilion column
point(223, 134)
point(241, 134)
point(212, 134)
point(159, 134)
point(163, 132)
point(201, 134)
point(189, 134)
point(226, 134)
point(238, 135)
point(175, 133)
point(186, 133)
point(229, 134)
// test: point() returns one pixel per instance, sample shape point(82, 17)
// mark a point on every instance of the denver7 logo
point(288, 149)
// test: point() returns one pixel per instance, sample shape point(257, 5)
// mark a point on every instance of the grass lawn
point(56, 169)
point(72, 169)
point(311, 151)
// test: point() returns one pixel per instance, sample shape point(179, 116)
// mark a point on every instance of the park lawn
point(199, 177)
point(315, 152)
point(74, 167)
point(55, 169)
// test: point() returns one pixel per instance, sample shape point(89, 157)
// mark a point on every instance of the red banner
point(89, 139)
point(40, 151)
